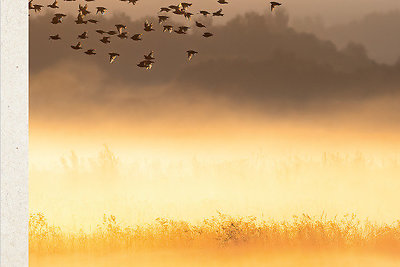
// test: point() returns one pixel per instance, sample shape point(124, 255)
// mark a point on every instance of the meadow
point(102, 211)
point(221, 240)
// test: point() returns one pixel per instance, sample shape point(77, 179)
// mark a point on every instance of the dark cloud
point(254, 61)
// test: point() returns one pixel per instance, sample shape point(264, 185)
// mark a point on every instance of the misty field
point(104, 211)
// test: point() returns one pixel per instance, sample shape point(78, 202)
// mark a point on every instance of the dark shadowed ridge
point(252, 59)
point(378, 32)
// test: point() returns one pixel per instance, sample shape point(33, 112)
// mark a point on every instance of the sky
point(332, 11)
point(275, 84)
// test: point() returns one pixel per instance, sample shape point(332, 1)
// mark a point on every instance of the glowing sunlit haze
point(281, 113)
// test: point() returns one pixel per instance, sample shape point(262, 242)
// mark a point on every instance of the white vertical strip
point(14, 133)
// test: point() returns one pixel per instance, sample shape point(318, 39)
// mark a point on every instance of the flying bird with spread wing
point(274, 4)
point(113, 56)
point(55, 37)
point(148, 27)
point(77, 46)
point(150, 56)
point(101, 10)
point(191, 53)
point(54, 5)
point(84, 35)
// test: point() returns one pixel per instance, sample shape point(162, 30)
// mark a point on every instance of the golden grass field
point(218, 241)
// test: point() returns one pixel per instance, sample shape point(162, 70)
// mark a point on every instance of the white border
point(14, 133)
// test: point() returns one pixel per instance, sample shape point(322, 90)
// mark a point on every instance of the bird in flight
point(55, 37)
point(77, 46)
point(146, 64)
point(90, 52)
point(164, 9)
point(83, 10)
point(113, 56)
point(148, 27)
point(191, 53)
point(37, 8)
point(218, 13)
point(101, 9)
point(204, 13)
point(222, 2)
point(105, 40)
point(132, 1)
point(84, 35)
point(162, 19)
point(208, 34)
point(149, 56)
point(54, 5)
point(57, 18)
point(120, 27)
point(274, 4)
point(200, 25)
point(137, 37)
point(167, 28)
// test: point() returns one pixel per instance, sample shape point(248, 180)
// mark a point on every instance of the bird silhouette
point(37, 8)
point(133, 2)
point(164, 9)
point(148, 27)
point(200, 25)
point(84, 35)
point(90, 52)
point(137, 37)
point(113, 56)
point(222, 2)
point(83, 10)
point(204, 13)
point(274, 4)
point(191, 53)
point(54, 5)
point(218, 13)
point(101, 10)
point(105, 40)
point(185, 5)
point(150, 56)
point(55, 37)
point(120, 27)
point(148, 64)
point(77, 46)
point(162, 19)
point(167, 28)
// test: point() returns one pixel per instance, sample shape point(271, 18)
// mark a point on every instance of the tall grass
point(219, 231)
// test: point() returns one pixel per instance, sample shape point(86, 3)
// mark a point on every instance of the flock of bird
point(182, 9)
